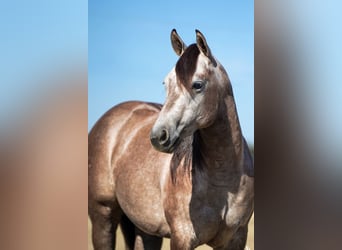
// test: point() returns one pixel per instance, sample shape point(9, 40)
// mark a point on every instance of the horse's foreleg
point(238, 242)
point(104, 225)
point(180, 243)
point(178, 246)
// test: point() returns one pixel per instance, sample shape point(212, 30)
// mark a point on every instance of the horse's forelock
point(186, 65)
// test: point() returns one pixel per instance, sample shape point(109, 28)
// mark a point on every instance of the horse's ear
point(203, 46)
point(177, 43)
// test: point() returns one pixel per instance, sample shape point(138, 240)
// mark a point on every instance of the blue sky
point(38, 38)
point(129, 50)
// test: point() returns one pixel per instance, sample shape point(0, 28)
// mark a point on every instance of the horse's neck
point(216, 150)
point(221, 144)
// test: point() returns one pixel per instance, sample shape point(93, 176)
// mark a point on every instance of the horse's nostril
point(163, 137)
point(160, 139)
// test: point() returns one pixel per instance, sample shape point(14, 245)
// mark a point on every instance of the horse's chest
point(216, 225)
point(212, 216)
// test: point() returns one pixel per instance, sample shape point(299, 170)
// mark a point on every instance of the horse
point(182, 170)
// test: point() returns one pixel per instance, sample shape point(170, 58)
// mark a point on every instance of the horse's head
point(194, 88)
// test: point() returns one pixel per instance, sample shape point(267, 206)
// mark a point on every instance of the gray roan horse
point(182, 170)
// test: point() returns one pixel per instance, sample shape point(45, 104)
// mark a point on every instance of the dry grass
point(166, 242)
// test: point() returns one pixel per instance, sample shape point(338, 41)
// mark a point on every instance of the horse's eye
point(198, 86)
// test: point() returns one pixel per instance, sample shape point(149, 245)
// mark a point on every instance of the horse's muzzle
point(161, 141)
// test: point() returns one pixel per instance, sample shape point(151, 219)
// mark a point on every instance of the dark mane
point(187, 155)
point(186, 65)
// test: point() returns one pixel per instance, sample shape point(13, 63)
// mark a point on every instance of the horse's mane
point(186, 156)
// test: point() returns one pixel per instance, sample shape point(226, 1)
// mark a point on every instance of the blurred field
point(166, 243)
